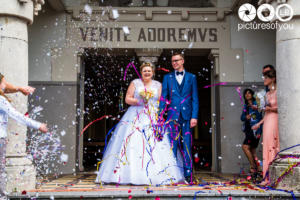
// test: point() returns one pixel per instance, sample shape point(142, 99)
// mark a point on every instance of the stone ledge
point(291, 180)
point(162, 194)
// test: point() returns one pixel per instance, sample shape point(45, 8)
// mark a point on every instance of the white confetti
point(37, 109)
point(115, 13)
point(191, 45)
point(88, 9)
point(45, 150)
point(64, 157)
point(126, 30)
point(63, 133)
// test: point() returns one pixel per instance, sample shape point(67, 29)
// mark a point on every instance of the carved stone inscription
point(117, 34)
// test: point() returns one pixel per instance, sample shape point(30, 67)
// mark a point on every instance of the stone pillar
point(151, 59)
point(148, 55)
point(288, 94)
point(215, 117)
point(15, 15)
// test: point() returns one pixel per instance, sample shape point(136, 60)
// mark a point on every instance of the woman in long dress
point(270, 129)
point(134, 154)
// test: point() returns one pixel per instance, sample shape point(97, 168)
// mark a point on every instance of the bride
point(134, 155)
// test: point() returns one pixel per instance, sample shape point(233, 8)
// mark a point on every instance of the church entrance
point(104, 98)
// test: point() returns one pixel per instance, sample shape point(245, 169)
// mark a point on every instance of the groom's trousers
point(181, 137)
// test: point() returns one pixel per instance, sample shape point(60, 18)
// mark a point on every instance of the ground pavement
point(206, 186)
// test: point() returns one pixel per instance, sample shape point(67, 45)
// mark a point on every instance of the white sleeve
point(13, 113)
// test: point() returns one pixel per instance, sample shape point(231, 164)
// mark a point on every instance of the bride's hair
point(147, 64)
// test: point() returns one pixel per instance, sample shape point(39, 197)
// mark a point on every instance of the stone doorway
point(105, 90)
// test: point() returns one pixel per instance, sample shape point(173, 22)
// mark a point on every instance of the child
point(6, 110)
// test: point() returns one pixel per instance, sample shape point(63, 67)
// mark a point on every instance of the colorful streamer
point(221, 83)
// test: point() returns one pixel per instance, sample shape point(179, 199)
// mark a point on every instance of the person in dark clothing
point(251, 116)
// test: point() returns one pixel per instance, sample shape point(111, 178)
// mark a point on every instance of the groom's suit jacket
point(183, 98)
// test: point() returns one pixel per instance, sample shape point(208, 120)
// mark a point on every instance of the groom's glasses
point(174, 61)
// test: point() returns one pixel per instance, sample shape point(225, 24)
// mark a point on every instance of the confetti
point(88, 9)
point(126, 30)
point(64, 157)
point(191, 45)
point(222, 83)
point(63, 133)
point(115, 13)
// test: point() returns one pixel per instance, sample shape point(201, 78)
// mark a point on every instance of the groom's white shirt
point(179, 78)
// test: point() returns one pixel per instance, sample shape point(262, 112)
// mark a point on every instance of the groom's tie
point(179, 73)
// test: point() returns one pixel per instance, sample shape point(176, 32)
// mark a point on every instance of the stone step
point(208, 186)
point(160, 195)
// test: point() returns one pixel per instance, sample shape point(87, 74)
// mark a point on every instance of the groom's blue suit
point(183, 105)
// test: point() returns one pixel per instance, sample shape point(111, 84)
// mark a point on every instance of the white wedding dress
point(133, 154)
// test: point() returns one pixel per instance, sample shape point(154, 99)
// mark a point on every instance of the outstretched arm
point(13, 113)
point(26, 90)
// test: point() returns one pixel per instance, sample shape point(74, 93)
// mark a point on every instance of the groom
point(179, 89)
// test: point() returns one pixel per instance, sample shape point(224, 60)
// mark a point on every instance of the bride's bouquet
point(146, 95)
